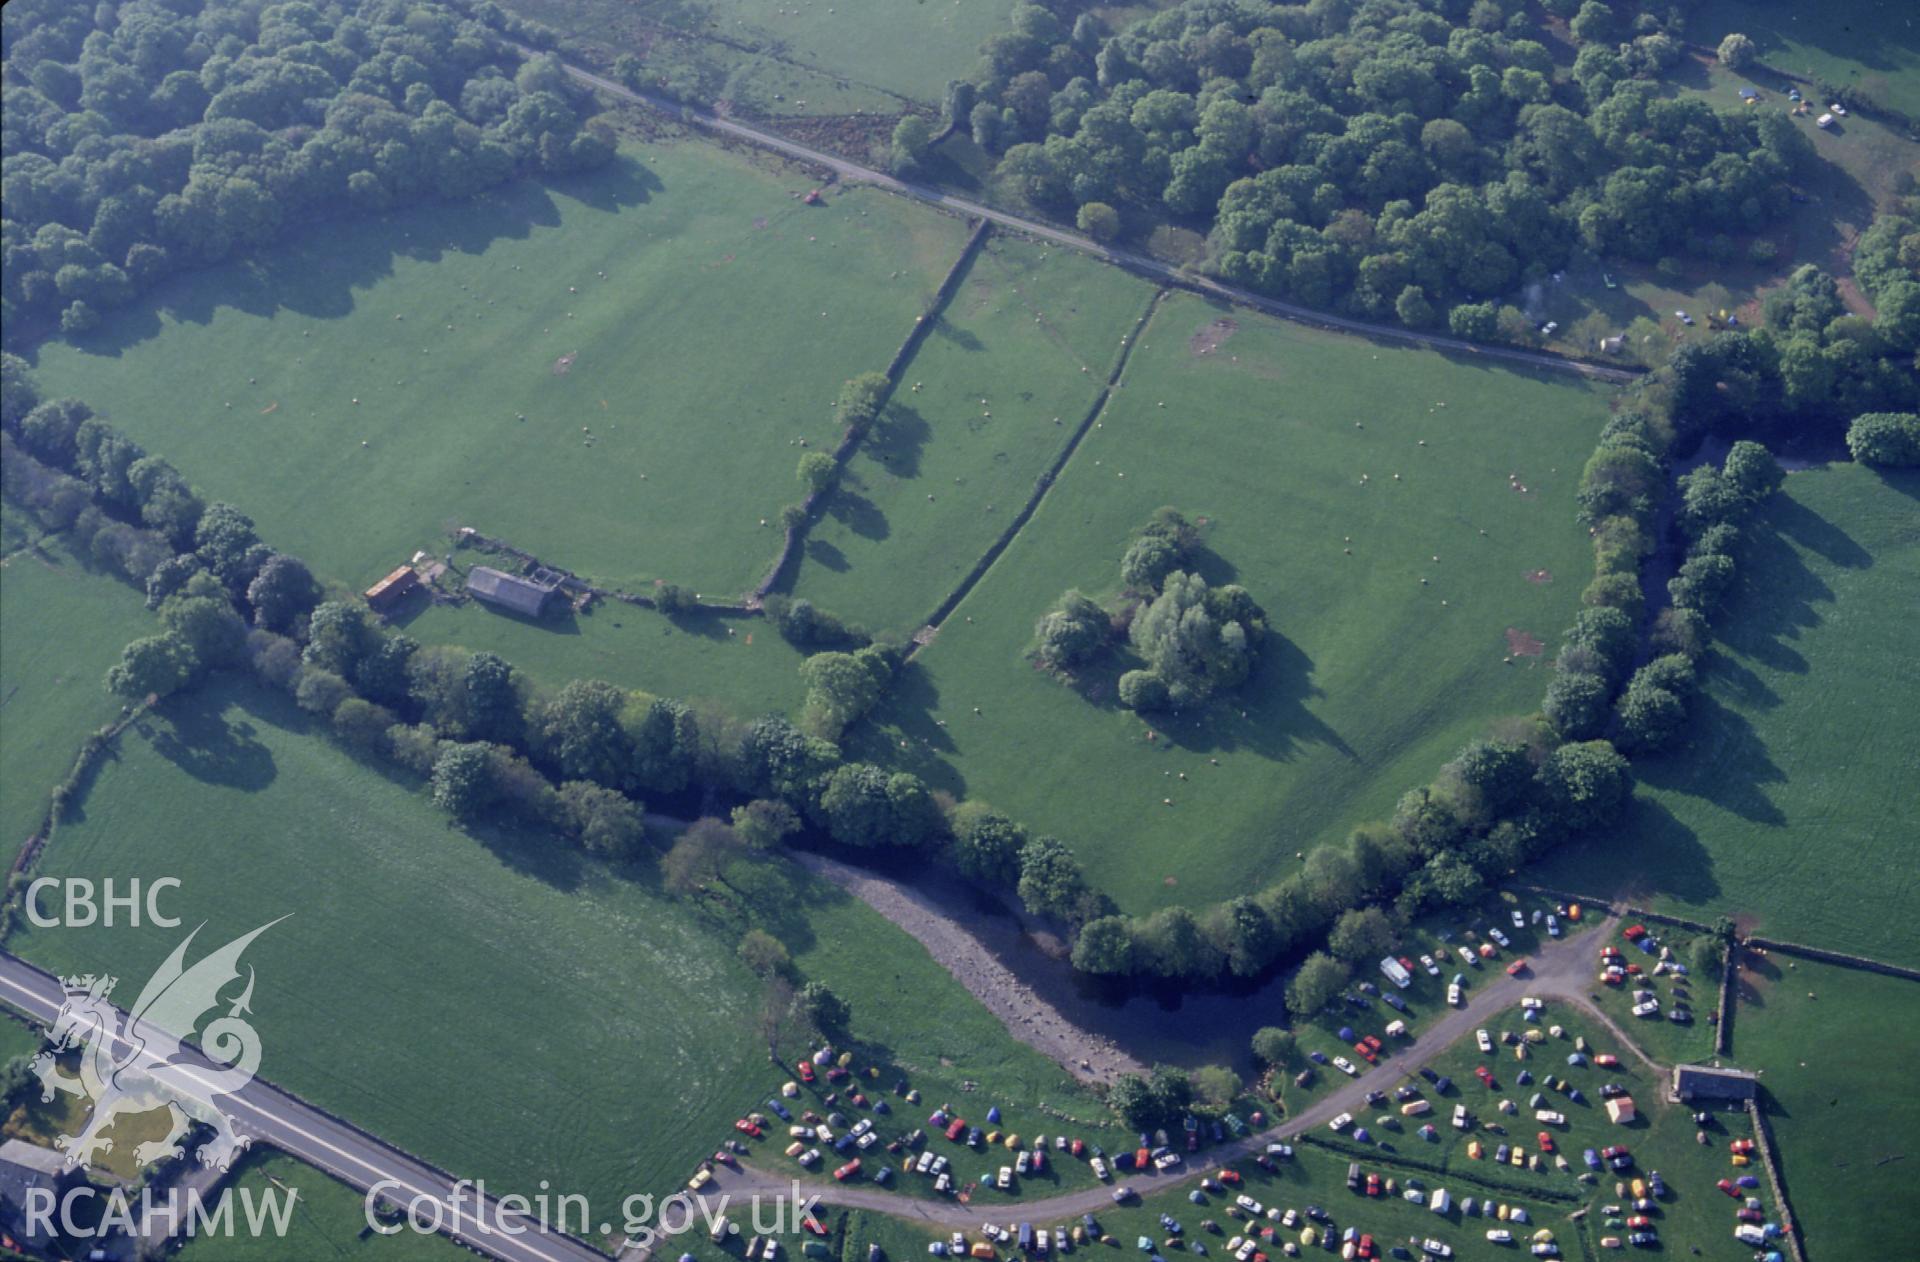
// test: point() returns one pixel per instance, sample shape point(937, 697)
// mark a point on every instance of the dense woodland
point(156, 135)
point(1389, 158)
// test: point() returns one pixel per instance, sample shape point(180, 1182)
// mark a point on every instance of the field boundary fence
point(1763, 1135)
point(1041, 484)
point(850, 442)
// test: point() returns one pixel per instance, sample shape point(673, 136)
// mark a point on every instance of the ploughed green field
point(751, 672)
point(1872, 46)
point(660, 428)
point(62, 624)
point(907, 50)
point(1819, 1034)
point(1369, 681)
point(986, 405)
point(1788, 807)
point(491, 1002)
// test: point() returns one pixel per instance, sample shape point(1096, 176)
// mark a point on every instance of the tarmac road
point(271, 1116)
point(1131, 260)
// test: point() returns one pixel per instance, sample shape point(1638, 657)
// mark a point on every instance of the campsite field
point(1872, 46)
point(986, 405)
point(1845, 1136)
point(713, 317)
point(908, 51)
point(1368, 683)
point(632, 1027)
point(63, 624)
point(1786, 806)
point(1661, 1137)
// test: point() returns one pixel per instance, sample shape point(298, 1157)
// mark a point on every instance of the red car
point(1365, 1052)
point(836, 1074)
point(813, 1225)
point(1606, 1060)
point(1483, 1074)
point(1726, 1185)
point(956, 1128)
point(1615, 1150)
point(726, 1158)
point(1373, 1041)
point(847, 1171)
point(746, 1127)
point(1741, 1145)
point(1077, 1148)
point(1633, 933)
point(1373, 1185)
point(806, 1071)
point(1366, 1245)
point(1746, 1215)
point(1546, 1142)
point(1639, 1222)
point(1230, 1176)
point(1516, 968)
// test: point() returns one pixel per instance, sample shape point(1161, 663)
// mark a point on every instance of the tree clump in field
point(1383, 159)
point(843, 687)
point(1192, 640)
point(145, 139)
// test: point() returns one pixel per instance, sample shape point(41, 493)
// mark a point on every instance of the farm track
point(1133, 261)
point(1561, 971)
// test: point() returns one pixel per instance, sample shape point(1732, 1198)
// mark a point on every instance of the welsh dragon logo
point(133, 1062)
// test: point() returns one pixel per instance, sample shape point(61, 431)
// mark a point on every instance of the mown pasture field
point(1787, 806)
point(811, 48)
point(986, 404)
point(670, 328)
point(1820, 1033)
point(751, 672)
point(63, 624)
point(1369, 681)
point(489, 1001)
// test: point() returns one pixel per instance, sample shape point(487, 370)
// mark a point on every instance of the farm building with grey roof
point(509, 591)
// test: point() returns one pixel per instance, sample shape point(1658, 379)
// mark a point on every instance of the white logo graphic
point(142, 1066)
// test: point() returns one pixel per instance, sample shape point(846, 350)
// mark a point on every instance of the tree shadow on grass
point(964, 339)
point(1724, 762)
point(823, 554)
point(897, 442)
point(1267, 715)
point(317, 269)
point(857, 513)
point(196, 733)
point(905, 736)
point(1649, 851)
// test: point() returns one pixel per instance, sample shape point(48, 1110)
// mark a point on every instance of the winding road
point(271, 1116)
point(1133, 261)
point(1561, 971)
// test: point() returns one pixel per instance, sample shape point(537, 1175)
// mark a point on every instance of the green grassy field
point(1369, 682)
point(985, 406)
point(1870, 45)
point(62, 625)
point(609, 1031)
point(695, 407)
point(909, 50)
point(328, 1220)
point(749, 673)
point(1784, 808)
point(1820, 1035)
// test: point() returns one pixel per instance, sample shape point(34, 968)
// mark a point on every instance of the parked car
point(1483, 1040)
point(847, 1171)
point(1427, 962)
point(1345, 1066)
point(1454, 996)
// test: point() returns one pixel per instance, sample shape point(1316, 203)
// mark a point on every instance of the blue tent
point(993, 1114)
